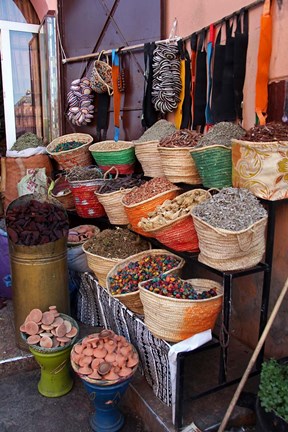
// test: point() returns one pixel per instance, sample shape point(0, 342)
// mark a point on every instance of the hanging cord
point(64, 57)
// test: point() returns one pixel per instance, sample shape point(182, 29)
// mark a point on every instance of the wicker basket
point(230, 250)
point(66, 199)
point(178, 166)
point(178, 319)
point(261, 167)
point(79, 156)
point(148, 155)
point(112, 203)
point(179, 234)
point(86, 202)
point(120, 154)
point(214, 164)
point(132, 300)
point(141, 209)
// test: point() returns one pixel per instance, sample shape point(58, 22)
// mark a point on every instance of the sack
point(101, 76)
point(35, 181)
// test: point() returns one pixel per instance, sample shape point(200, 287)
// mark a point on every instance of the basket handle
point(109, 170)
point(241, 244)
point(102, 53)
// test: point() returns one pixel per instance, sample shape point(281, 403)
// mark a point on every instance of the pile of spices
point(65, 146)
point(181, 138)
point(35, 223)
point(159, 130)
point(171, 210)
point(118, 243)
point(221, 134)
point(28, 140)
point(48, 329)
point(126, 280)
point(111, 145)
point(148, 190)
point(233, 209)
point(170, 286)
point(84, 173)
point(127, 182)
point(266, 133)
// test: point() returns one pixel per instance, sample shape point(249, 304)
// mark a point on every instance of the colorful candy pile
point(178, 288)
point(126, 280)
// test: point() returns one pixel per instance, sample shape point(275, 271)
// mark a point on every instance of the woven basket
point(112, 203)
point(230, 250)
point(67, 199)
point(86, 202)
point(79, 156)
point(178, 166)
point(178, 234)
point(214, 165)
point(132, 300)
point(141, 209)
point(178, 319)
point(106, 156)
point(101, 76)
point(148, 155)
point(261, 167)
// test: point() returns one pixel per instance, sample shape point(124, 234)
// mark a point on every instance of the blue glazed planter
point(107, 416)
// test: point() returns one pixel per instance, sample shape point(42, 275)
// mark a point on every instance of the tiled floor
point(19, 375)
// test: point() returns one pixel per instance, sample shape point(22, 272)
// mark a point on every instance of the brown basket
point(141, 209)
point(174, 319)
point(101, 76)
point(112, 203)
point(230, 250)
point(149, 157)
point(79, 156)
point(178, 166)
point(132, 300)
point(67, 199)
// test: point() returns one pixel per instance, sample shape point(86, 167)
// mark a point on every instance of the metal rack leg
point(179, 392)
point(227, 279)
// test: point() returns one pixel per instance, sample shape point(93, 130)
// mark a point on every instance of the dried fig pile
point(104, 356)
point(35, 223)
point(48, 329)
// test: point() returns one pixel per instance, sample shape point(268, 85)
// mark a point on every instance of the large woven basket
point(120, 154)
point(132, 300)
point(214, 165)
point(148, 155)
point(79, 156)
point(86, 202)
point(141, 209)
point(112, 203)
point(174, 319)
point(261, 167)
point(66, 198)
point(179, 234)
point(230, 250)
point(178, 166)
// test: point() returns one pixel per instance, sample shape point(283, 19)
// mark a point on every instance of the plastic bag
point(35, 180)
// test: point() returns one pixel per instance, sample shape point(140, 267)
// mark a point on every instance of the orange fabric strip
point(178, 112)
point(116, 95)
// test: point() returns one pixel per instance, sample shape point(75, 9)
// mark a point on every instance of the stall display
point(124, 277)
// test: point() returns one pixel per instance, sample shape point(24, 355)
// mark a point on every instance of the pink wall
point(42, 6)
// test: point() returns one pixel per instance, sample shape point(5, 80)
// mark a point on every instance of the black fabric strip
point(186, 107)
point(149, 114)
point(240, 54)
point(219, 59)
point(102, 115)
point(200, 83)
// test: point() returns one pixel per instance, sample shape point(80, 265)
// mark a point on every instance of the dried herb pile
point(27, 140)
point(159, 130)
point(221, 134)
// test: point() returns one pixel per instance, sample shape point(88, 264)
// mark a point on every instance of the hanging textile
point(186, 107)
point(149, 114)
point(193, 45)
point(264, 54)
point(240, 53)
point(116, 94)
point(178, 111)
point(219, 60)
point(200, 83)
point(210, 47)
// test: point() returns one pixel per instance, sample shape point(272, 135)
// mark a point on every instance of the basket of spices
point(143, 199)
point(231, 230)
point(171, 223)
point(109, 247)
point(259, 161)
point(83, 182)
point(184, 307)
point(177, 164)
point(124, 277)
point(71, 150)
point(120, 154)
point(62, 192)
point(146, 147)
point(212, 155)
point(110, 196)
